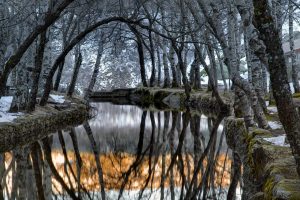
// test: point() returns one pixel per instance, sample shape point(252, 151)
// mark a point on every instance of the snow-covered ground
point(57, 98)
point(5, 103)
point(273, 109)
point(279, 140)
point(275, 124)
point(204, 81)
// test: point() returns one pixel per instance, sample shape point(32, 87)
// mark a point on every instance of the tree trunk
point(158, 67)
point(35, 76)
point(292, 45)
point(141, 54)
point(58, 75)
point(152, 56)
point(211, 55)
point(75, 74)
point(96, 69)
point(287, 112)
point(222, 70)
point(182, 67)
point(264, 74)
point(235, 177)
point(20, 97)
point(256, 72)
point(173, 67)
point(166, 66)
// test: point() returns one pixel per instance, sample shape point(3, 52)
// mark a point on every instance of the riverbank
point(30, 127)
point(167, 99)
point(269, 168)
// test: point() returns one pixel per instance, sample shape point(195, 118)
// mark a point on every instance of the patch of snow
point(273, 109)
point(275, 125)
point(245, 75)
point(204, 80)
point(280, 141)
point(5, 103)
point(58, 98)
point(267, 103)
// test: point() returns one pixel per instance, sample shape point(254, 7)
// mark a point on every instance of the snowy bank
point(5, 115)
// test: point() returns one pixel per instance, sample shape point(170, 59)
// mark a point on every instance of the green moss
point(260, 132)
point(272, 117)
point(268, 188)
point(296, 95)
point(282, 170)
point(272, 103)
point(290, 188)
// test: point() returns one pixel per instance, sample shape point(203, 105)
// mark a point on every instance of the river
point(142, 154)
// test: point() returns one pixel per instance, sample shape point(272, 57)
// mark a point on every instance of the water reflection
point(126, 153)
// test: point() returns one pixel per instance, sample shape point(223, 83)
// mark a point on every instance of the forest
point(70, 67)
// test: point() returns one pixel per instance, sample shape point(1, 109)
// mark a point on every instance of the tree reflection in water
point(126, 153)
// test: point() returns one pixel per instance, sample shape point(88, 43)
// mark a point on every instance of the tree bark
point(96, 69)
point(58, 75)
point(141, 54)
point(165, 65)
point(158, 67)
point(152, 56)
point(292, 45)
point(287, 112)
point(35, 76)
point(171, 58)
point(75, 74)
point(222, 70)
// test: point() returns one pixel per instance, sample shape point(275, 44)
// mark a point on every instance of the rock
point(258, 196)
point(62, 106)
point(287, 189)
point(173, 101)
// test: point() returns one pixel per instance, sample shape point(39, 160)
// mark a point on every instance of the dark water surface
point(124, 152)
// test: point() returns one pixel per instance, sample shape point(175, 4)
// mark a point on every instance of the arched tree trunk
point(74, 42)
point(49, 19)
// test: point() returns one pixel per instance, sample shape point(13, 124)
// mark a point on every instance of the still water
point(125, 152)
